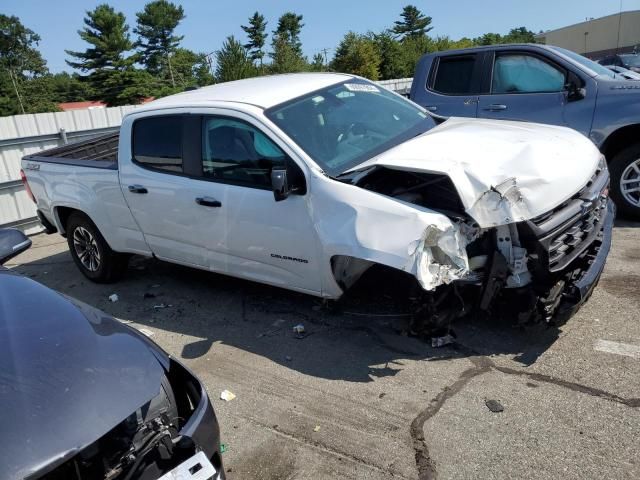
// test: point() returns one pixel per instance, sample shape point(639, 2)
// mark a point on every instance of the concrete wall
point(602, 35)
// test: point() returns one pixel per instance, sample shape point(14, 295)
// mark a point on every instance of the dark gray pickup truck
point(544, 84)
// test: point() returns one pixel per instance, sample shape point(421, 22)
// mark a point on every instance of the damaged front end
point(531, 270)
point(173, 435)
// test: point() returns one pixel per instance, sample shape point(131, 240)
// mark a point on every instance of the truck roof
point(263, 92)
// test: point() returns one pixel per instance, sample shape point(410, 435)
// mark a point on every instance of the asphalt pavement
point(356, 397)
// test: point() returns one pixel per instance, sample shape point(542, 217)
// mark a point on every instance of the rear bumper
point(580, 290)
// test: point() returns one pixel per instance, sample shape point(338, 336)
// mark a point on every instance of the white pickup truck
point(305, 181)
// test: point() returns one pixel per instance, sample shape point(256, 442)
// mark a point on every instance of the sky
point(208, 22)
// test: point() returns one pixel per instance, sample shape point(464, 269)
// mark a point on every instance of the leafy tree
point(285, 58)
point(191, 69)
point(233, 61)
point(488, 39)
point(107, 33)
point(413, 48)
point(392, 61)
point(357, 54)
point(256, 31)
point(156, 39)
point(413, 23)
point(520, 35)
point(317, 64)
point(19, 61)
point(288, 30)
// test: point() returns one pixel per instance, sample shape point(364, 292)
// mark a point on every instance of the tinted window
point(157, 142)
point(525, 74)
point(236, 152)
point(454, 75)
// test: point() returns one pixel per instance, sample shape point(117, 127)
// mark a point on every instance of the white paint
point(618, 348)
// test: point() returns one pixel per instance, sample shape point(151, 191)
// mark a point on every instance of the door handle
point(431, 108)
point(495, 107)
point(137, 189)
point(208, 202)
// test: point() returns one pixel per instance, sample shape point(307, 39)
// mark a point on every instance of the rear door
point(176, 211)
point(524, 86)
point(453, 85)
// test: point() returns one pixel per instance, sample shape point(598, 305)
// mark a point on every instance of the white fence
point(26, 134)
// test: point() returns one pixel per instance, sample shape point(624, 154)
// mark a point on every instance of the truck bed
point(97, 152)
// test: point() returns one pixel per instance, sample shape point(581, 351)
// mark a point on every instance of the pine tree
point(288, 30)
point(256, 31)
point(413, 24)
point(233, 62)
point(156, 39)
point(107, 34)
point(358, 55)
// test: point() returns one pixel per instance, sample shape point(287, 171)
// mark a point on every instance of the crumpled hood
point(504, 171)
point(68, 374)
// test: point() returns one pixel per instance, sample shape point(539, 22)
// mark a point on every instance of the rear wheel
point(625, 181)
point(90, 251)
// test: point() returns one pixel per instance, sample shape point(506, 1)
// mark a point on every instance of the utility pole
point(324, 52)
point(173, 82)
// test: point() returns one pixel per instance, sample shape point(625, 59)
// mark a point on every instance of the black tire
point(91, 253)
point(619, 166)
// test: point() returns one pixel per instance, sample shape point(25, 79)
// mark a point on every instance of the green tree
point(256, 31)
point(288, 30)
point(392, 55)
point(520, 35)
point(157, 41)
point(488, 39)
point(107, 34)
point(413, 48)
point(357, 54)
point(128, 87)
point(413, 23)
point(285, 58)
point(192, 69)
point(19, 61)
point(233, 62)
point(317, 63)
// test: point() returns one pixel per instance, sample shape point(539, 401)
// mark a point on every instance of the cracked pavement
point(355, 398)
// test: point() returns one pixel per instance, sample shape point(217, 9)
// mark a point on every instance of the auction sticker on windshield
point(361, 87)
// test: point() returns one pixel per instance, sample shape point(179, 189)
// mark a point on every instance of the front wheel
point(625, 181)
point(91, 253)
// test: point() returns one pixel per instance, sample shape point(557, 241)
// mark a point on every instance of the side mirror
point(12, 242)
point(574, 88)
point(279, 184)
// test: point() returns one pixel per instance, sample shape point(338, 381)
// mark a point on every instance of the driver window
point(525, 74)
point(236, 152)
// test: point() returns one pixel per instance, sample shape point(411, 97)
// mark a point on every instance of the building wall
point(602, 35)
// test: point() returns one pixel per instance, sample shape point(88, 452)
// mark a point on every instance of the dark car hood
point(68, 374)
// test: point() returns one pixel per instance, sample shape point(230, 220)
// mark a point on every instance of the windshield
point(585, 62)
point(341, 126)
point(631, 60)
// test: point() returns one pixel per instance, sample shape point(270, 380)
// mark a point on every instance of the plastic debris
point(494, 405)
point(317, 428)
point(113, 297)
point(437, 342)
point(147, 332)
point(223, 448)
point(227, 395)
point(299, 330)
point(161, 306)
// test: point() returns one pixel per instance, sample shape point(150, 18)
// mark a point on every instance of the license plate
point(197, 467)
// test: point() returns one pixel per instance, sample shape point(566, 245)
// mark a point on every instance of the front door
point(525, 87)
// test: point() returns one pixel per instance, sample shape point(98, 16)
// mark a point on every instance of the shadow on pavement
point(366, 339)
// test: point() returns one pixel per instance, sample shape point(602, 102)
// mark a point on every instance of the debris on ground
point(299, 330)
point(227, 395)
point(149, 295)
point(317, 428)
point(155, 285)
point(448, 339)
point(278, 325)
point(381, 395)
point(287, 358)
point(113, 297)
point(494, 405)
point(146, 331)
point(224, 448)
point(161, 306)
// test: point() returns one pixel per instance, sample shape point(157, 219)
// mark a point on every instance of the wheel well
point(63, 214)
point(619, 140)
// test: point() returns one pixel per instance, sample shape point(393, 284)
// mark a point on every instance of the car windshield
point(343, 125)
point(585, 62)
point(631, 60)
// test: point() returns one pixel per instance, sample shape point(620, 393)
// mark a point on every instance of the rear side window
point(454, 75)
point(157, 142)
point(525, 74)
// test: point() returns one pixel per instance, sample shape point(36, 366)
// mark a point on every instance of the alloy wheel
point(86, 248)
